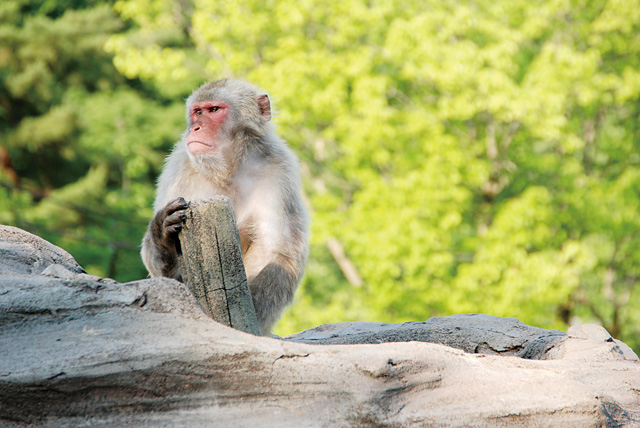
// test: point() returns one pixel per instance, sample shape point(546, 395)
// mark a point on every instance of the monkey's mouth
point(198, 142)
point(199, 146)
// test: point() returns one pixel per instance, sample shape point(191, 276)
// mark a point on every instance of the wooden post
point(211, 264)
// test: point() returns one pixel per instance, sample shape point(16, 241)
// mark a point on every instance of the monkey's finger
point(174, 229)
point(178, 217)
point(177, 204)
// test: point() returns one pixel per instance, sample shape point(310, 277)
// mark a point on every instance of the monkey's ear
point(265, 106)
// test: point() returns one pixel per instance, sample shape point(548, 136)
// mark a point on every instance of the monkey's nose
point(196, 128)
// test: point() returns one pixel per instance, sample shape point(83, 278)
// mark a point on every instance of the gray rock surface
point(474, 333)
point(24, 253)
point(77, 350)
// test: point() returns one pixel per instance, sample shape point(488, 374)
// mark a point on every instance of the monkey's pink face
point(207, 118)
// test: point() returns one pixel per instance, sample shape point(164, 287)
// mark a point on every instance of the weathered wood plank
point(211, 264)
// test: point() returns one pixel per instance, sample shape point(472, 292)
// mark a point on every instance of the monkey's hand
point(160, 245)
point(168, 223)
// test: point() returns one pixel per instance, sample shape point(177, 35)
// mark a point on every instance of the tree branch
point(346, 266)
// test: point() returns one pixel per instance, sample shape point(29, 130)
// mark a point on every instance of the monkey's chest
point(246, 239)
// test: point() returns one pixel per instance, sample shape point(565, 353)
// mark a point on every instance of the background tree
point(80, 144)
point(458, 156)
point(464, 156)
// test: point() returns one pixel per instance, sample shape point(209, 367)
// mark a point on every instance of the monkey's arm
point(276, 258)
point(272, 290)
point(159, 243)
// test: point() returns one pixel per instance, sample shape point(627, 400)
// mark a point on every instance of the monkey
point(230, 147)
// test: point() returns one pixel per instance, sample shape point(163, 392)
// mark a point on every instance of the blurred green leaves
point(81, 145)
point(468, 156)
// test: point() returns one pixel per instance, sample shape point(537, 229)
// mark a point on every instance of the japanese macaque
point(230, 148)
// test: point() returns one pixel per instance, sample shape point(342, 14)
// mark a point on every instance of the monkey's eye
point(214, 109)
point(198, 112)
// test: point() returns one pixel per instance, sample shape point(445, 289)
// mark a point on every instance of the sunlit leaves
point(470, 156)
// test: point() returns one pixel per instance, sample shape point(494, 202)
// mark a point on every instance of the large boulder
point(79, 350)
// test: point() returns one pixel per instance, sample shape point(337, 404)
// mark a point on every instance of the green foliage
point(81, 145)
point(469, 156)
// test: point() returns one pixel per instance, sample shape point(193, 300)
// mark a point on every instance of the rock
point(474, 333)
point(76, 350)
point(24, 253)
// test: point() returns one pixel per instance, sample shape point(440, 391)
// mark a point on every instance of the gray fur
point(260, 175)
